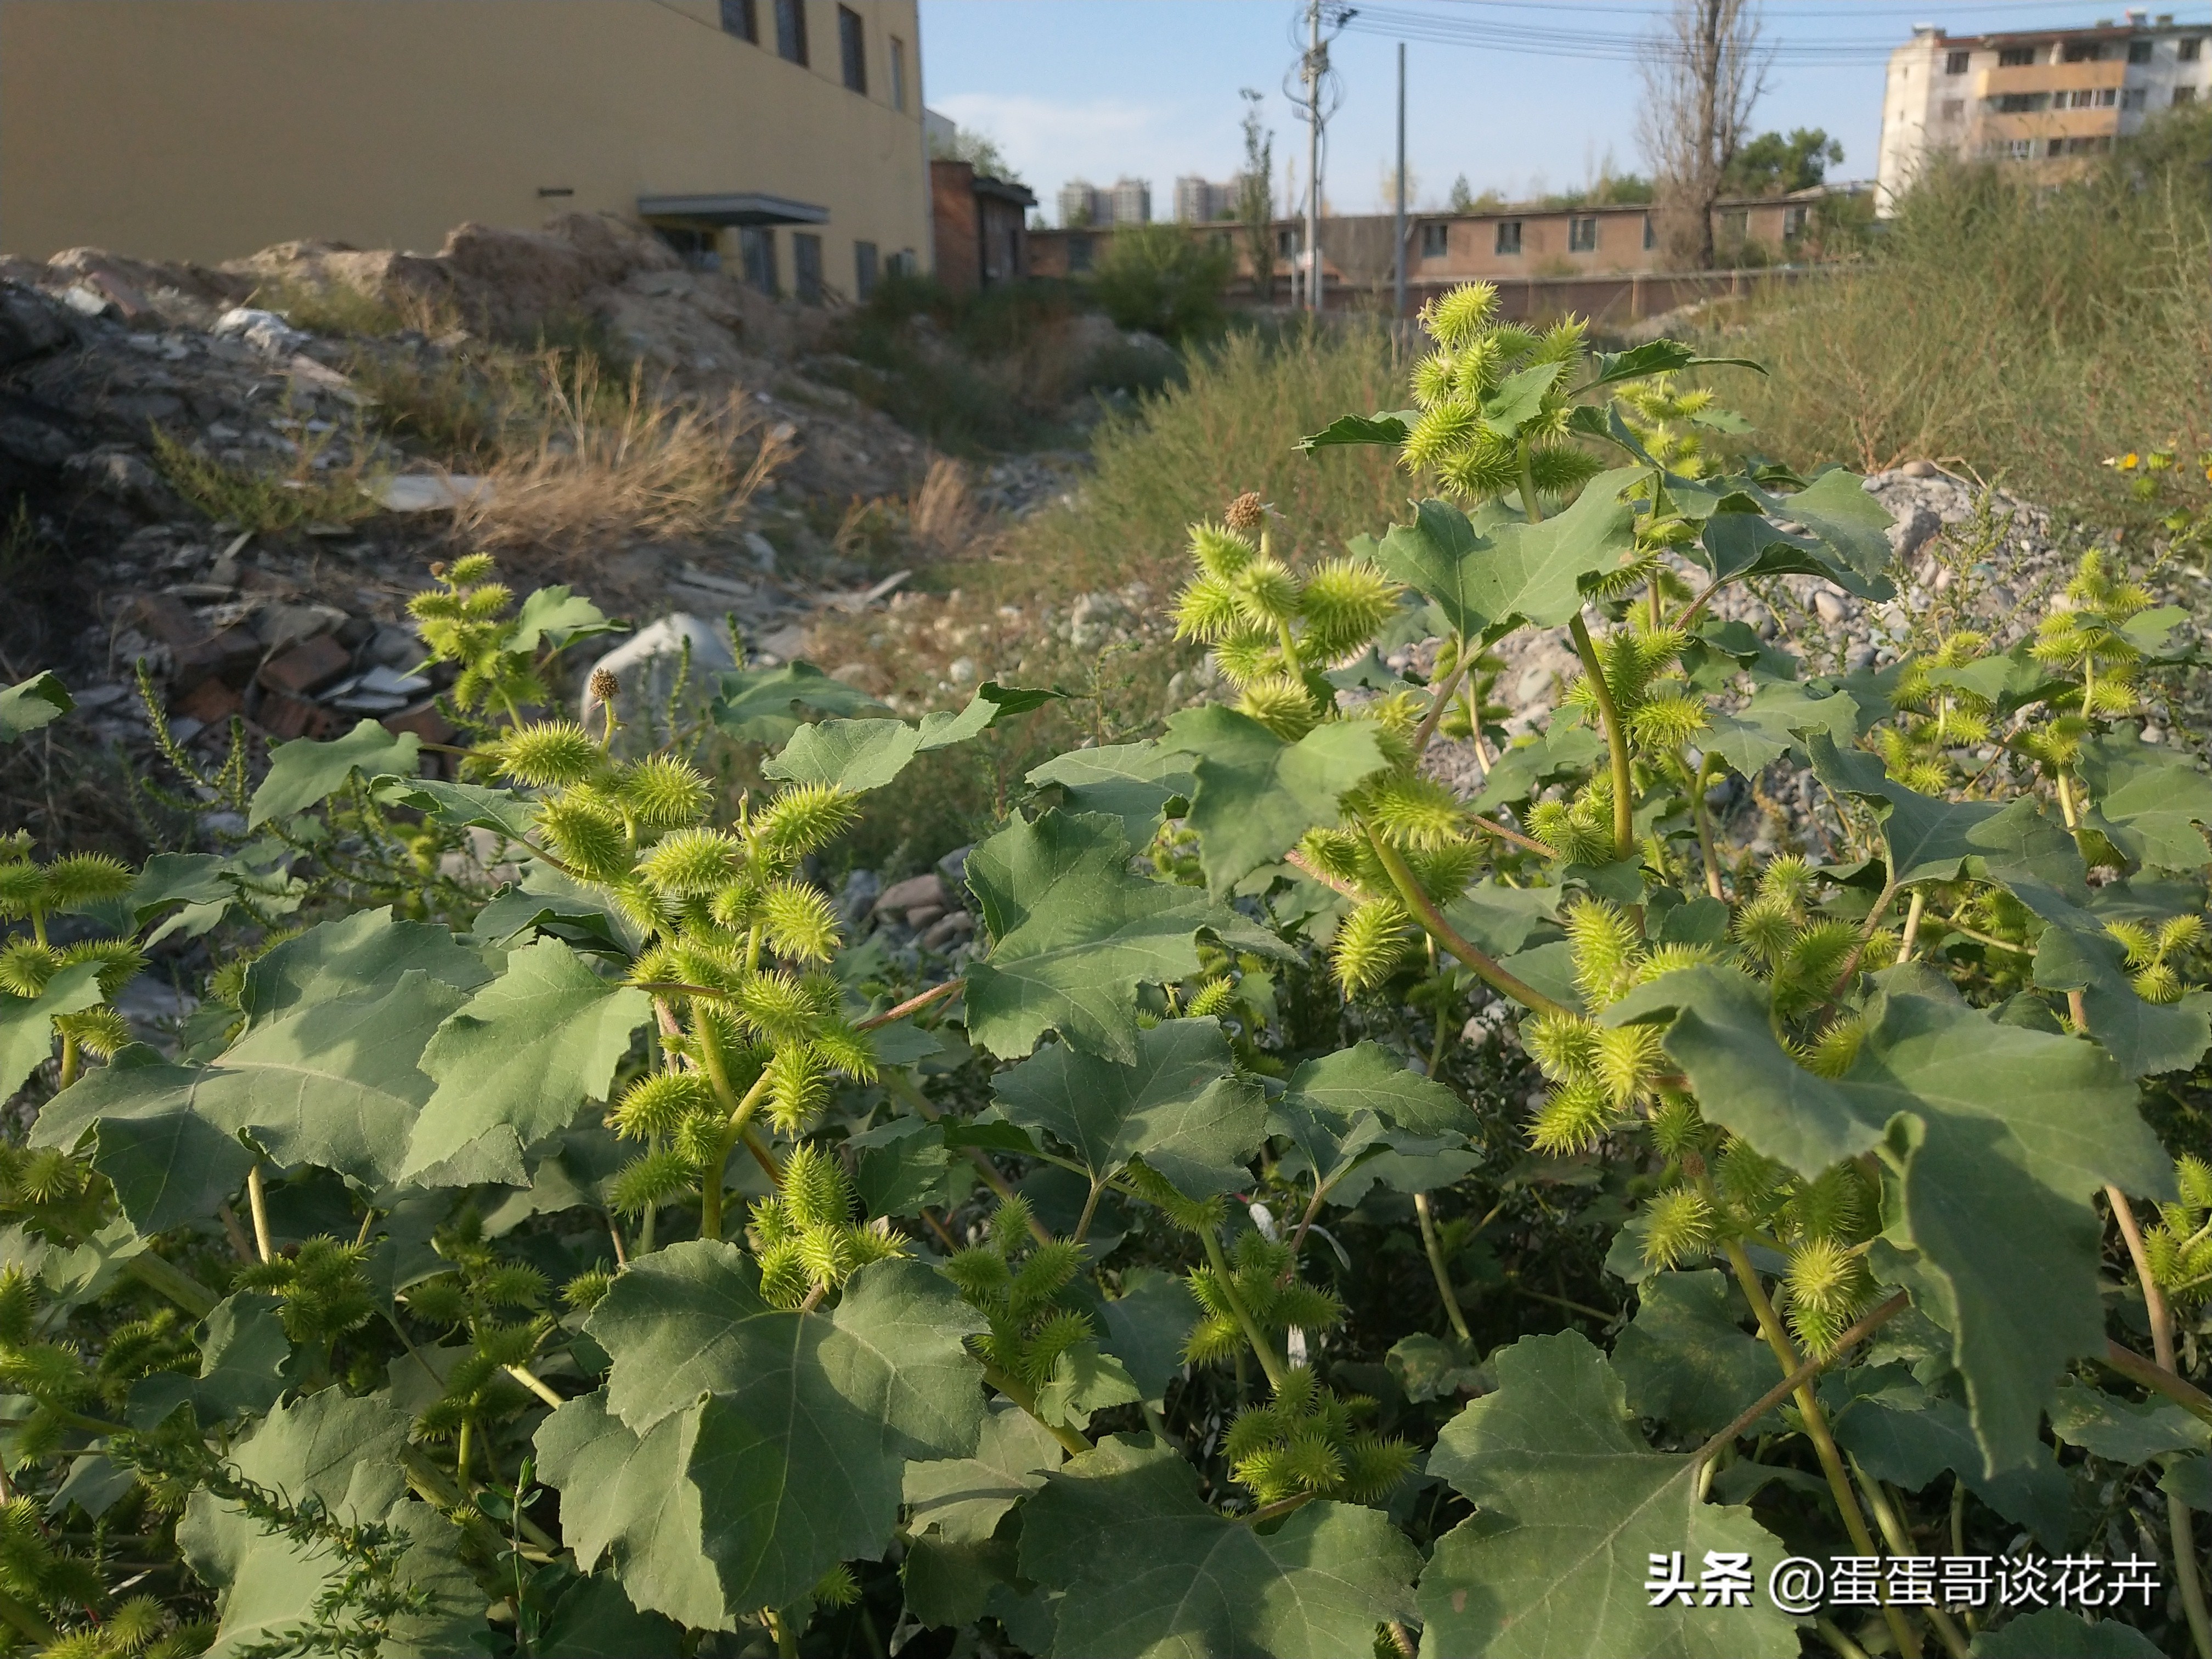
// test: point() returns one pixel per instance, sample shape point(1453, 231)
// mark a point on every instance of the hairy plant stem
point(70, 1061)
point(1705, 821)
point(1900, 1543)
point(1912, 914)
point(1816, 1429)
point(1090, 1212)
point(898, 1084)
point(258, 1198)
point(1278, 1508)
point(1025, 1397)
point(913, 1005)
point(173, 1282)
point(2187, 1576)
point(535, 1384)
point(1803, 1374)
point(1486, 968)
point(740, 1113)
point(1434, 1246)
point(1427, 728)
point(1270, 1362)
point(1616, 741)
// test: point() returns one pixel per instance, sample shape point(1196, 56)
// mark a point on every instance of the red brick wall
point(952, 204)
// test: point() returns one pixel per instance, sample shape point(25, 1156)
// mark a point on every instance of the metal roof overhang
point(733, 208)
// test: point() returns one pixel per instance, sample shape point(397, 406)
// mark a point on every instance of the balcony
point(2046, 123)
point(2051, 77)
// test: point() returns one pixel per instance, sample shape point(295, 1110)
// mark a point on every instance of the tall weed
point(2026, 332)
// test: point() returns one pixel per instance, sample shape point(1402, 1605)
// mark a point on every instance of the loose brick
point(211, 702)
point(307, 665)
point(423, 720)
point(284, 716)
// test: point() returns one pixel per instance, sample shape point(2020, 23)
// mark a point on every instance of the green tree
point(1255, 198)
point(1462, 197)
point(1772, 165)
point(979, 150)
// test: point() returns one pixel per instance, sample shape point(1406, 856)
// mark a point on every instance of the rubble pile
point(111, 369)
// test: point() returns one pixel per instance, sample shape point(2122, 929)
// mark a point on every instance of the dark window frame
point(757, 254)
point(806, 268)
point(791, 31)
point(1957, 62)
point(898, 53)
point(741, 19)
point(2139, 51)
point(853, 50)
point(2016, 56)
point(1436, 239)
point(2082, 52)
point(1080, 252)
point(1507, 241)
point(868, 269)
point(2189, 50)
point(1582, 234)
point(1650, 232)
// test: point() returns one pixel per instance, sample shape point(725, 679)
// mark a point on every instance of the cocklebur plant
point(626, 1261)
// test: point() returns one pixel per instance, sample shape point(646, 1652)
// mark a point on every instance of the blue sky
point(1096, 88)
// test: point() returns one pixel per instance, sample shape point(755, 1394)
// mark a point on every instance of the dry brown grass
point(943, 517)
point(607, 460)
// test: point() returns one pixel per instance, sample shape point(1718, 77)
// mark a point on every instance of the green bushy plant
point(623, 1260)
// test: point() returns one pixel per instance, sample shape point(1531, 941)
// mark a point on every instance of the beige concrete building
point(2044, 100)
point(781, 138)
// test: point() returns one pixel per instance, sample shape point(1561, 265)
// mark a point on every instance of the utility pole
point(1316, 62)
point(1398, 309)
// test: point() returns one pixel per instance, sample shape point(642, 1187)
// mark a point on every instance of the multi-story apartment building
point(1084, 206)
point(1131, 202)
point(2044, 100)
point(781, 137)
point(1199, 201)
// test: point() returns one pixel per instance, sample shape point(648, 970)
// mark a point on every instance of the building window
point(1650, 232)
point(1736, 227)
point(1955, 109)
point(2054, 147)
point(2185, 94)
point(2107, 96)
point(2021, 148)
point(2022, 103)
point(738, 18)
point(1954, 63)
point(695, 247)
point(853, 50)
point(790, 30)
point(1793, 223)
point(898, 75)
point(807, 267)
point(1078, 254)
point(1509, 236)
point(2138, 52)
point(2082, 51)
point(2187, 50)
point(865, 268)
point(2015, 56)
point(2135, 98)
point(1435, 240)
point(1286, 244)
point(1582, 234)
point(757, 248)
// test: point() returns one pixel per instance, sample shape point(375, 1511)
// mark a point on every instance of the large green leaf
point(1488, 575)
point(1686, 1358)
point(27, 1024)
point(332, 1083)
point(1147, 1569)
point(2142, 1036)
point(1572, 1506)
point(358, 953)
point(555, 616)
point(2015, 845)
point(1073, 934)
point(1146, 1326)
point(792, 1428)
point(243, 1354)
point(1901, 1435)
point(515, 1065)
point(1661, 357)
point(1180, 1106)
point(2148, 799)
point(2054, 1633)
point(955, 1508)
point(305, 771)
point(862, 754)
point(2122, 1430)
point(1767, 727)
point(1519, 398)
point(461, 805)
point(29, 704)
point(1836, 508)
point(1255, 794)
point(342, 1454)
point(1342, 1108)
point(2003, 1133)
point(1132, 781)
point(1377, 429)
point(767, 705)
point(628, 1496)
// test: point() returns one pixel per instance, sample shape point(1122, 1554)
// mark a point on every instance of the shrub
point(1165, 281)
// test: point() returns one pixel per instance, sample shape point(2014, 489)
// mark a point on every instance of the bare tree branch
point(1703, 74)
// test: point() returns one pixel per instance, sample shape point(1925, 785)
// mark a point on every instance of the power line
point(1539, 41)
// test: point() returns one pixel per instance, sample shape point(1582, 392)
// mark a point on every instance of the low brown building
point(981, 226)
point(1530, 248)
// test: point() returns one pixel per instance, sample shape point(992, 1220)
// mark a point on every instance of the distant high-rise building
point(1131, 201)
point(2043, 98)
point(1083, 203)
point(1199, 201)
